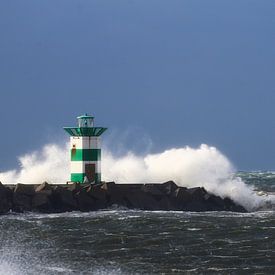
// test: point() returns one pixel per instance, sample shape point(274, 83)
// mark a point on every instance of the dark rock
point(26, 189)
point(114, 193)
point(182, 195)
point(97, 192)
point(74, 187)
point(197, 193)
point(48, 198)
point(22, 197)
point(41, 202)
point(232, 206)
point(196, 206)
point(43, 187)
point(168, 187)
point(5, 199)
point(140, 200)
point(63, 200)
point(21, 202)
point(85, 202)
point(152, 189)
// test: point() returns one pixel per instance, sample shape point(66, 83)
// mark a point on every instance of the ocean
point(120, 241)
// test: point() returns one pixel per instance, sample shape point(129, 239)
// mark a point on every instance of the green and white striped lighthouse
point(85, 150)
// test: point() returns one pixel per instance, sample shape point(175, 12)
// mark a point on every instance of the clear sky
point(182, 72)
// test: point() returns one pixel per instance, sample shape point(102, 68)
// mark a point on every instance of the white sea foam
point(203, 166)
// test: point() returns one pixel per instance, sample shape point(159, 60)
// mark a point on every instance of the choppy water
point(141, 242)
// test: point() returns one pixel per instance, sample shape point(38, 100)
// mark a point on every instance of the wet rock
point(140, 200)
point(182, 195)
point(26, 189)
point(114, 193)
point(85, 202)
point(74, 187)
point(232, 206)
point(152, 189)
point(22, 197)
point(63, 199)
point(48, 198)
point(197, 193)
point(41, 202)
point(5, 199)
point(97, 192)
point(43, 187)
point(168, 187)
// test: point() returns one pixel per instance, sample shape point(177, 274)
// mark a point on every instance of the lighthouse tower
point(85, 150)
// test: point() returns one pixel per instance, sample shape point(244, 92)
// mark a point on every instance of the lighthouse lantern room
point(85, 150)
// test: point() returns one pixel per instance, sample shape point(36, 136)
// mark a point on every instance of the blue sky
point(180, 72)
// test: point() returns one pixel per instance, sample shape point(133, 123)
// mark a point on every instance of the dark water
point(137, 242)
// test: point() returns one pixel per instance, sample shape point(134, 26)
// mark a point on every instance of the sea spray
point(204, 166)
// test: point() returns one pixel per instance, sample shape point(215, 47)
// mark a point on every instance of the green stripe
point(79, 177)
point(85, 154)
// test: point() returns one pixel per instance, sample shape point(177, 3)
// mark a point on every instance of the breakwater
point(48, 198)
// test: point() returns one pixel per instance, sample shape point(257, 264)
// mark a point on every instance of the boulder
point(85, 202)
point(26, 189)
point(168, 187)
point(196, 206)
point(152, 189)
point(74, 187)
point(22, 197)
point(21, 202)
point(114, 193)
point(44, 188)
point(41, 202)
point(5, 199)
point(197, 193)
point(230, 205)
point(63, 200)
point(140, 200)
point(182, 195)
point(47, 198)
point(97, 192)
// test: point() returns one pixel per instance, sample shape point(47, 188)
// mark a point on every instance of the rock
point(47, 198)
point(41, 202)
point(5, 199)
point(197, 193)
point(74, 187)
point(43, 187)
point(85, 202)
point(97, 192)
point(140, 200)
point(21, 202)
point(114, 193)
point(26, 189)
point(182, 195)
point(168, 187)
point(152, 189)
point(63, 199)
point(22, 197)
point(232, 206)
point(196, 206)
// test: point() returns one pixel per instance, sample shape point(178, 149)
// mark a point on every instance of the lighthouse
point(85, 150)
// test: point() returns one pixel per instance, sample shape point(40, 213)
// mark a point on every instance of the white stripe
point(79, 166)
point(85, 142)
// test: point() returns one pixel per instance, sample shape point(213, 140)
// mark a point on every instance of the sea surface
point(120, 241)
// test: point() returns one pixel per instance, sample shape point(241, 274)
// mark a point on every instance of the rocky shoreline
point(48, 198)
